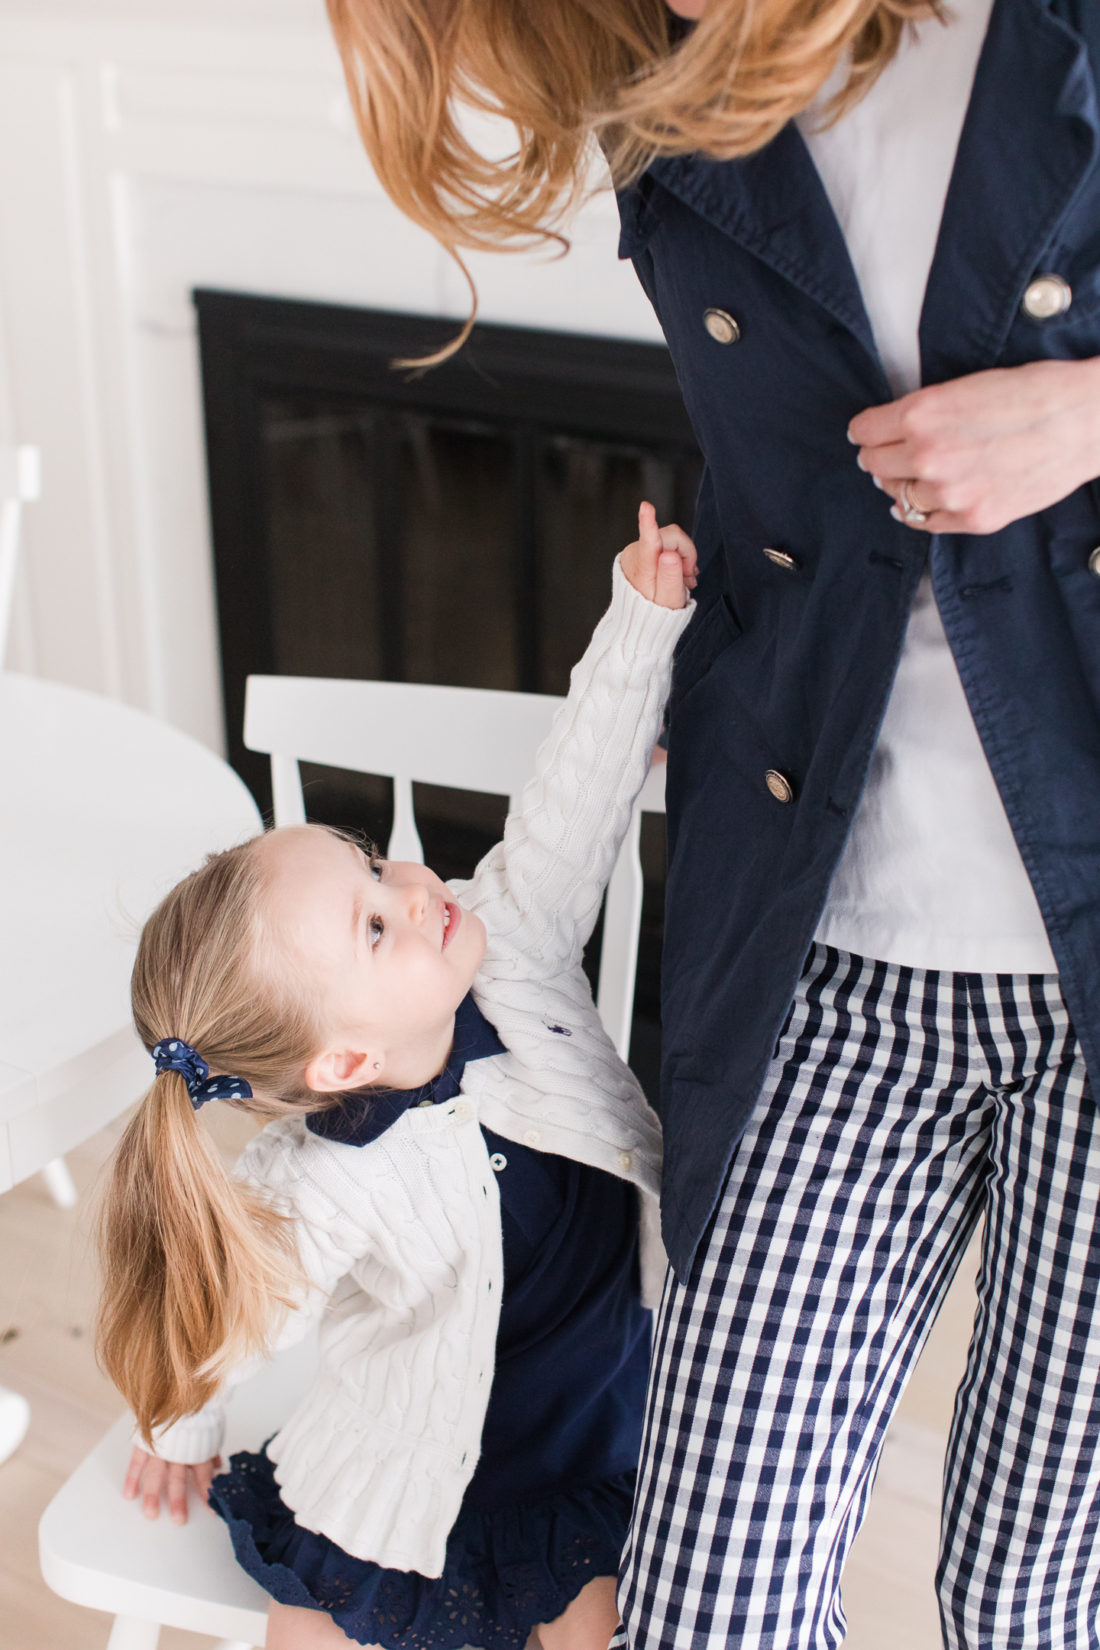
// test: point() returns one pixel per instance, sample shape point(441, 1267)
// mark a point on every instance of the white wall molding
point(148, 147)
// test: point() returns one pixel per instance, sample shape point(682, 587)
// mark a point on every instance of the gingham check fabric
point(902, 1104)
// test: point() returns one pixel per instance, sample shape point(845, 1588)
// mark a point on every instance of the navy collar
point(363, 1116)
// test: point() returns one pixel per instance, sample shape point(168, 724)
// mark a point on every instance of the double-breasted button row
point(1047, 296)
point(779, 785)
point(1094, 562)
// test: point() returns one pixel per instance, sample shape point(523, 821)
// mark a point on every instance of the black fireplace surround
point(455, 525)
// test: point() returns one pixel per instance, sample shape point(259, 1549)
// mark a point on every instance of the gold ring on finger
point(909, 511)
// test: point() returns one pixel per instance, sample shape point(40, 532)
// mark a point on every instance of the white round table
point(102, 809)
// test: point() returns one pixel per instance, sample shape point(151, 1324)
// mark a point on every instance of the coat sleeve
point(539, 890)
point(329, 1242)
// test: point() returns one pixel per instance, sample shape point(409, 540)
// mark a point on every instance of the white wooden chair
point(473, 739)
point(97, 1549)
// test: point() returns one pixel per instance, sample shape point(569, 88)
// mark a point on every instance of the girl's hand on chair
point(152, 1478)
point(660, 564)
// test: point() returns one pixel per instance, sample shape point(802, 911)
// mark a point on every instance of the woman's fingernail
point(878, 484)
point(859, 461)
point(851, 438)
point(895, 512)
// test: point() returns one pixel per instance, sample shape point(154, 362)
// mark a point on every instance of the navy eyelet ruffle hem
point(506, 1569)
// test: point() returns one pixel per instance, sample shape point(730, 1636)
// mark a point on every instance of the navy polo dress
point(548, 1505)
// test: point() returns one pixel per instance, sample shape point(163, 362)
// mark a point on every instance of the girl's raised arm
point(539, 890)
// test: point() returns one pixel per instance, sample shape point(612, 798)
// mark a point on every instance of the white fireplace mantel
point(146, 148)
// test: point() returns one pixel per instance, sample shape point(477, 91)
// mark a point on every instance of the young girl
point(447, 1183)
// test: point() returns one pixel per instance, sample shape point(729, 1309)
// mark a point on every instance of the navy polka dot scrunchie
point(173, 1054)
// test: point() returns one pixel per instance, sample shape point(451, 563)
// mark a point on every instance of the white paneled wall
point(146, 149)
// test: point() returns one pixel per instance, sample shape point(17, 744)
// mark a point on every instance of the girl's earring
point(378, 1065)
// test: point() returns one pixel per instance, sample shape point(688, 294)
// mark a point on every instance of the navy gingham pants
point(902, 1105)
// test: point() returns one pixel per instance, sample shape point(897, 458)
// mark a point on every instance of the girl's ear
point(336, 1069)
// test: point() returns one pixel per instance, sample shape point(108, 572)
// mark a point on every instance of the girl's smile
point(383, 946)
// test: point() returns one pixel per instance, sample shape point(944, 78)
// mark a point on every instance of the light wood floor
point(46, 1295)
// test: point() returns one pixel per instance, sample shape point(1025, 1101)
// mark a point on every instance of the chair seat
point(99, 1550)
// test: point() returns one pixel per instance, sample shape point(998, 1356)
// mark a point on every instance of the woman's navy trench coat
point(786, 670)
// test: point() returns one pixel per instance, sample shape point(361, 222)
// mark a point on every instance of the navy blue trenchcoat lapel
point(1028, 140)
point(774, 204)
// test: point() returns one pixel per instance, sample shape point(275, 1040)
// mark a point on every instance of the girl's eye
point(376, 864)
point(375, 929)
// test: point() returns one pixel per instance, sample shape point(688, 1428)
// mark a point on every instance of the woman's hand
point(151, 1478)
point(660, 564)
point(981, 451)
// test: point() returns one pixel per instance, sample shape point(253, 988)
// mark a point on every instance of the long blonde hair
point(568, 71)
point(196, 1268)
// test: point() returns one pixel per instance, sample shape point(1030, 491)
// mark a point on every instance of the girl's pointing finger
point(649, 534)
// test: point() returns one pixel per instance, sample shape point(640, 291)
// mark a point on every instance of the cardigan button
point(626, 1161)
point(1047, 296)
point(782, 558)
point(498, 1161)
point(1094, 562)
point(463, 1111)
point(779, 785)
point(532, 1138)
point(721, 326)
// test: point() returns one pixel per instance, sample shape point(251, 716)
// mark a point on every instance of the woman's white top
point(931, 876)
point(401, 1239)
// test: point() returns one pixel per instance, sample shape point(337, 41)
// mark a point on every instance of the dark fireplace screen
point(454, 526)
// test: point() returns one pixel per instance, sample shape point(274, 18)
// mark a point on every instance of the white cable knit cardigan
point(401, 1239)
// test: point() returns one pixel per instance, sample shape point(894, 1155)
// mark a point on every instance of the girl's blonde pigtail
point(199, 1268)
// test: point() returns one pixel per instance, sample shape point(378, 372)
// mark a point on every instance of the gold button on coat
point(781, 558)
point(779, 785)
point(1094, 562)
point(721, 326)
point(1047, 296)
